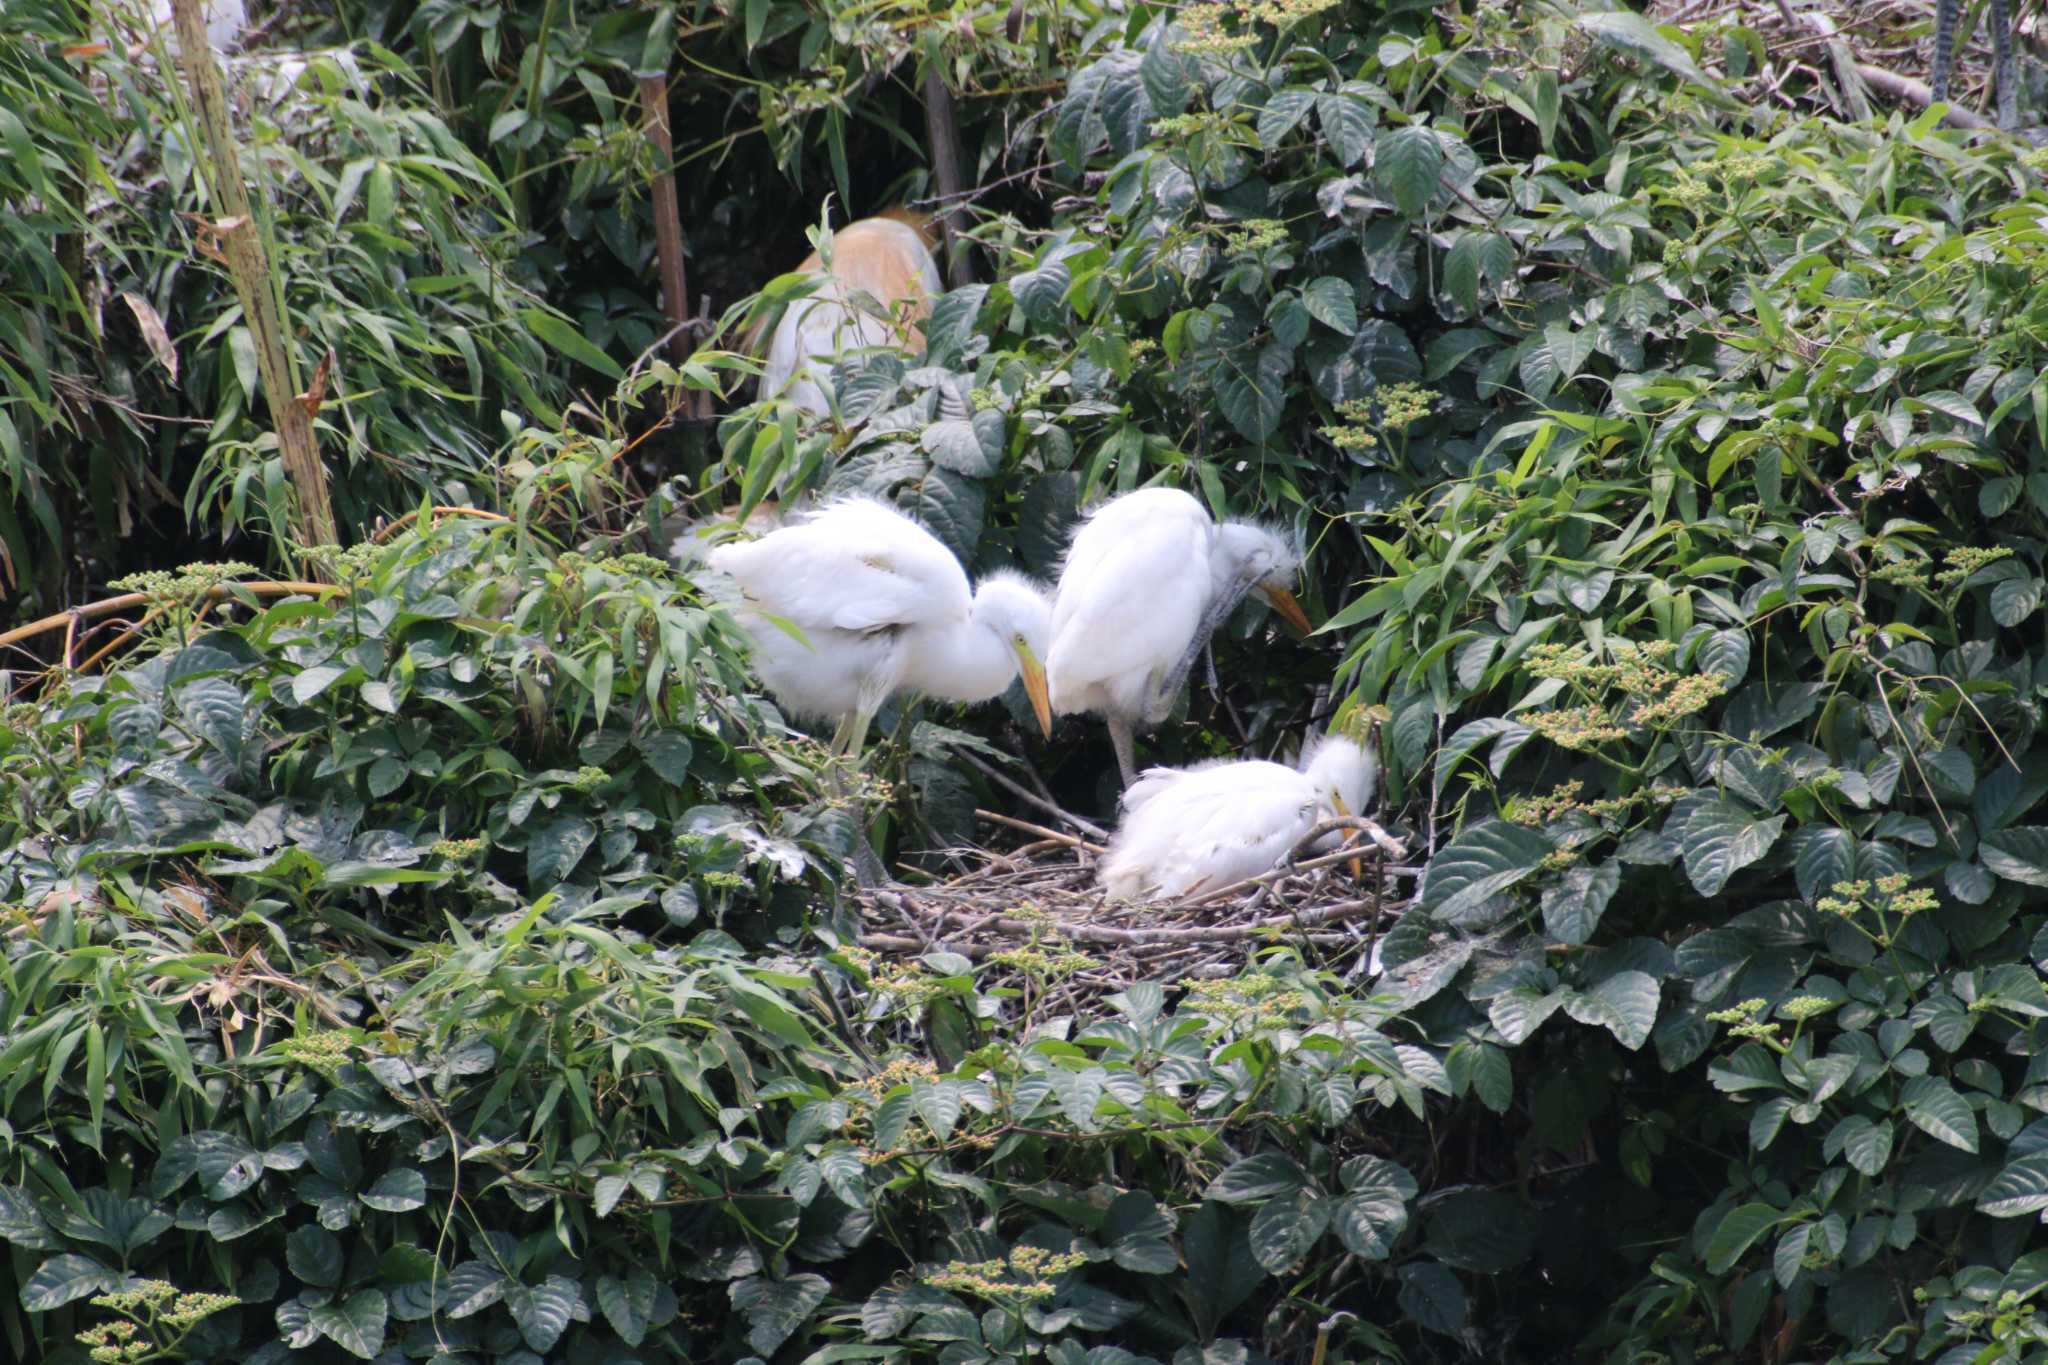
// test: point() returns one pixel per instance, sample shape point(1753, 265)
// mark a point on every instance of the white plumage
point(1147, 579)
point(881, 607)
point(883, 258)
point(1201, 828)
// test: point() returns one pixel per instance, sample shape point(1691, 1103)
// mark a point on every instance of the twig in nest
point(1019, 791)
point(1041, 831)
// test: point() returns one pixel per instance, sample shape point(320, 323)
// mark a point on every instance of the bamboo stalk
point(942, 131)
point(668, 229)
point(218, 593)
point(234, 227)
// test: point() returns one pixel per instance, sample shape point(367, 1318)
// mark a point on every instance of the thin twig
point(1024, 794)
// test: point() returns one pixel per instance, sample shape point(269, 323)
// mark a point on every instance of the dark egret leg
point(1126, 750)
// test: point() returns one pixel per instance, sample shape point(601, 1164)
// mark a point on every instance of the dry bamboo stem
point(242, 249)
point(668, 229)
point(126, 600)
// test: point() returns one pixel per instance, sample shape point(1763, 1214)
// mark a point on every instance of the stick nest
point(1036, 909)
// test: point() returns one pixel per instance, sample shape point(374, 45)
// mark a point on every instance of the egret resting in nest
point(882, 607)
point(1190, 830)
point(1147, 579)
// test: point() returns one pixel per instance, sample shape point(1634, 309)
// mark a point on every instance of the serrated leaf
point(1722, 838)
point(1283, 114)
point(2018, 854)
point(627, 1304)
point(356, 1324)
point(2021, 1188)
point(64, 1279)
point(1348, 123)
point(555, 847)
point(1483, 861)
point(1573, 906)
point(543, 1311)
point(1266, 1175)
point(1285, 1228)
point(955, 445)
point(1254, 396)
point(1935, 1108)
point(1625, 1004)
point(1332, 302)
point(398, 1191)
point(776, 1308)
point(1407, 163)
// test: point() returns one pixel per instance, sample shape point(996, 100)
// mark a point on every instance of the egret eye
point(1018, 638)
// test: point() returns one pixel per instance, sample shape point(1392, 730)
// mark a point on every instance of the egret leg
point(1126, 750)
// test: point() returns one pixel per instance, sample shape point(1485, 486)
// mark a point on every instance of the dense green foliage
point(453, 967)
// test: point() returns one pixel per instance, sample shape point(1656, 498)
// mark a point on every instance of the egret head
point(1249, 557)
point(1016, 611)
point(1344, 774)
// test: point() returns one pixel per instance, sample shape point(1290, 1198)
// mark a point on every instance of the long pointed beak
point(1357, 864)
point(1284, 603)
point(1033, 673)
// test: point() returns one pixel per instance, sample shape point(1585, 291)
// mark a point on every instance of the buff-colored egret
point(1190, 830)
point(1147, 580)
point(884, 263)
point(880, 607)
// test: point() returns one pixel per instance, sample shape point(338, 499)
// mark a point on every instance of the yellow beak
point(1284, 603)
point(1357, 864)
point(1033, 673)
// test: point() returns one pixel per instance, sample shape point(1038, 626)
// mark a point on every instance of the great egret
point(1201, 828)
point(888, 258)
point(882, 607)
point(1147, 580)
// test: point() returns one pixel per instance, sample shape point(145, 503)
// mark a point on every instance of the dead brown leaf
point(153, 332)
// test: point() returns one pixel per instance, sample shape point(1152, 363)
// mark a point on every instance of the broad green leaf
point(1737, 1233)
point(954, 445)
point(314, 1255)
point(65, 1279)
point(2021, 1188)
point(1573, 906)
point(543, 1311)
point(1628, 32)
point(561, 335)
point(1480, 863)
point(2018, 854)
point(1625, 1004)
point(1283, 113)
point(355, 1324)
point(1349, 123)
point(1433, 1297)
point(1722, 838)
point(555, 847)
point(627, 1304)
point(1331, 302)
point(1285, 1228)
point(776, 1308)
point(1266, 1175)
point(1407, 163)
point(1935, 1108)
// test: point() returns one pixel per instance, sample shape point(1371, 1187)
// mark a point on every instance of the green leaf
point(776, 1308)
point(543, 1311)
point(1938, 1111)
point(1520, 1012)
point(1371, 1216)
point(1572, 908)
point(398, 1191)
point(554, 849)
point(1266, 1175)
point(1867, 1144)
point(314, 1255)
point(950, 506)
point(559, 333)
point(1041, 293)
point(1407, 163)
point(1254, 397)
point(1625, 1004)
point(356, 1325)
point(1283, 114)
point(215, 710)
point(1433, 1297)
point(1349, 123)
point(1722, 838)
point(2018, 854)
point(225, 1164)
point(627, 1304)
point(63, 1279)
point(1483, 861)
point(954, 444)
point(2021, 1188)
point(1630, 33)
point(1737, 1233)
point(2015, 600)
point(952, 322)
point(1331, 302)
point(1105, 99)
point(1284, 1229)
point(668, 753)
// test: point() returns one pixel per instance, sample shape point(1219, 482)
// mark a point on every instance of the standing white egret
point(881, 607)
point(1201, 828)
point(1147, 580)
point(888, 260)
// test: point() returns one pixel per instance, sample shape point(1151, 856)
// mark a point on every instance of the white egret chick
point(1196, 829)
point(1147, 580)
point(881, 607)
